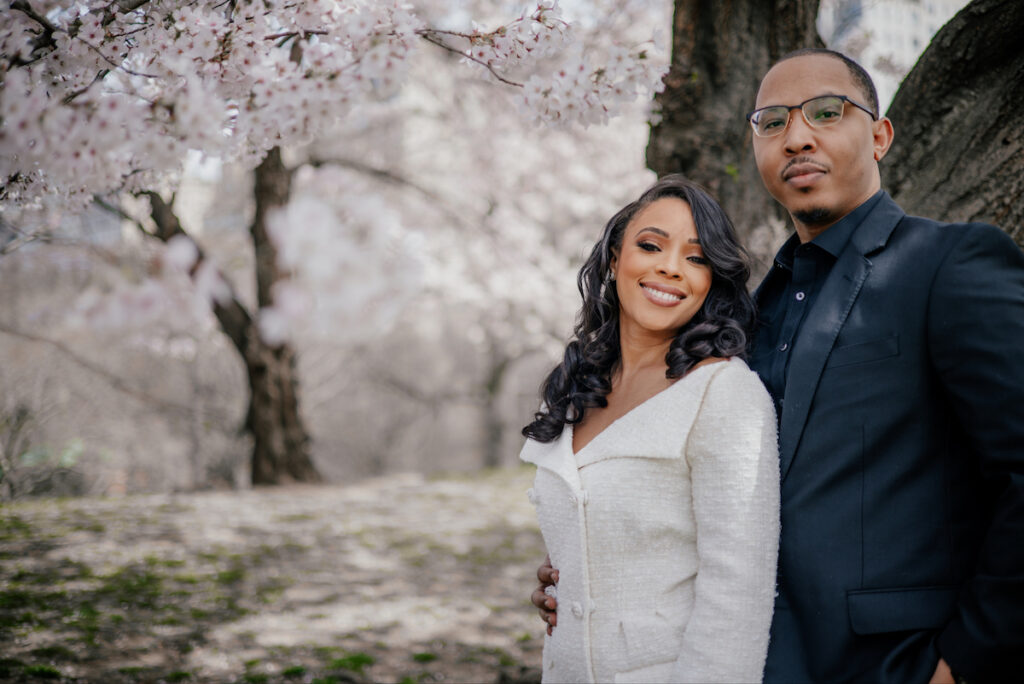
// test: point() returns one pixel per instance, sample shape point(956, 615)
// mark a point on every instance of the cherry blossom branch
point(429, 36)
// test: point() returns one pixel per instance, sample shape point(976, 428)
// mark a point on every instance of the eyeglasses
point(819, 112)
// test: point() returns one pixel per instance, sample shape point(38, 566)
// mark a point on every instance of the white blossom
point(110, 105)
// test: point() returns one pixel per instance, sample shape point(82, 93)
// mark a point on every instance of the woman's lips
point(662, 295)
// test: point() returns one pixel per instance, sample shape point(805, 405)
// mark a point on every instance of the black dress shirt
point(789, 292)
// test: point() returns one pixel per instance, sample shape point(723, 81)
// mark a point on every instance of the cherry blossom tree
point(105, 102)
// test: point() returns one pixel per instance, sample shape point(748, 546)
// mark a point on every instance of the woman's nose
point(670, 268)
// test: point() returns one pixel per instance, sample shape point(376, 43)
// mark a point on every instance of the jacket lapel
point(824, 321)
point(555, 456)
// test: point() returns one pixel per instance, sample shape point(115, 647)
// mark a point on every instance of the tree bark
point(281, 443)
point(720, 51)
point(958, 154)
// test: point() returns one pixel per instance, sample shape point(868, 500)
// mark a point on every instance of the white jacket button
point(572, 498)
point(577, 609)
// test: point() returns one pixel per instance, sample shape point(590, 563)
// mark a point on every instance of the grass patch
point(42, 672)
point(13, 527)
point(425, 657)
point(178, 676)
point(232, 576)
point(131, 671)
point(8, 666)
point(133, 587)
point(293, 672)
point(353, 662)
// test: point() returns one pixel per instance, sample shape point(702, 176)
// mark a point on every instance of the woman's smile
point(662, 295)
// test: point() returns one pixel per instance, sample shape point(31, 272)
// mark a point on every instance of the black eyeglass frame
point(790, 108)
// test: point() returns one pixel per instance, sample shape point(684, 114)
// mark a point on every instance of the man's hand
point(943, 675)
point(548, 577)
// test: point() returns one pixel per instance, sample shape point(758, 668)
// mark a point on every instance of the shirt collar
point(834, 238)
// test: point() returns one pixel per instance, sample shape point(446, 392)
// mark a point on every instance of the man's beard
point(813, 217)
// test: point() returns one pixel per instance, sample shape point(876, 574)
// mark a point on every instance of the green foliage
point(354, 662)
point(424, 657)
point(178, 676)
point(42, 672)
point(9, 666)
point(255, 678)
point(131, 671)
point(13, 527)
point(133, 586)
point(294, 672)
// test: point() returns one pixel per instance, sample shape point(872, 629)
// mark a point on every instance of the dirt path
point(398, 579)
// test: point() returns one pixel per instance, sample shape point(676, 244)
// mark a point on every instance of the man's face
point(819, 174)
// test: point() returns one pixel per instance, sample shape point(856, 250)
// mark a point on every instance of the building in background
point(885, 36)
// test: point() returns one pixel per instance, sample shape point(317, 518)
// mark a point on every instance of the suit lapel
point(814, 344)
point(824, 321)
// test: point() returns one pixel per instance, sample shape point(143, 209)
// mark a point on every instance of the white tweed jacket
point(664, 530)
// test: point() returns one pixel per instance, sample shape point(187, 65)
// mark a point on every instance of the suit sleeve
point(976, 340)
point(734, 468)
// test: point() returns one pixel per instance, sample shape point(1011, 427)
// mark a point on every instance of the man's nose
point(799, 134)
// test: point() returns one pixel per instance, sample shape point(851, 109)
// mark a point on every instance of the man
point(892, 346)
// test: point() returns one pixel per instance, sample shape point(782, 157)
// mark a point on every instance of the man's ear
point(883, 137)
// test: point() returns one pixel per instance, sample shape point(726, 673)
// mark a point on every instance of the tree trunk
point(494, 433)
point(720, 51)
point(959, 148)
point(281, 443)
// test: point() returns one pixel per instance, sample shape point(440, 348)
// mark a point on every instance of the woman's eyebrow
point(656, 231)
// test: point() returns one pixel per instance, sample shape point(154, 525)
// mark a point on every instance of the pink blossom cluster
point(94, 101)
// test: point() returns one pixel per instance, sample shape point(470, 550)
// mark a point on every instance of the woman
point(657, 486)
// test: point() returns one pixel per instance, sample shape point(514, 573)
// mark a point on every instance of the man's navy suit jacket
point(901, 448)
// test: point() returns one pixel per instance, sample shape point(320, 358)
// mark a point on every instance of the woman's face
point(661, 275)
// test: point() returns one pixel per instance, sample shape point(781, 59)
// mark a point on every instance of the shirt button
point(800, 296)
point(577, 609)
point(784, 346)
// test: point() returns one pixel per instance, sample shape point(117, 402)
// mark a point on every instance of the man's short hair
point(860, 76)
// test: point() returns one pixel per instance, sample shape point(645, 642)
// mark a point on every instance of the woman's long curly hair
point(720, 328)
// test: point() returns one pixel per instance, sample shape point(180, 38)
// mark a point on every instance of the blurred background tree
point(423, 281)
point(309, 90)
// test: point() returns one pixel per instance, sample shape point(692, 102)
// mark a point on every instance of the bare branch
point(115, 380)
point(235, 320)
point(119, 212)
point(42, 41)
point(25, 8)
point(438, 202)
point(121, 6)
point(19, 238)
point(431, 36)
